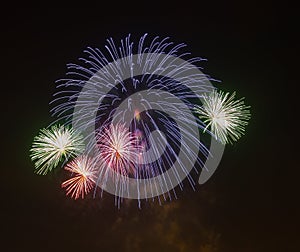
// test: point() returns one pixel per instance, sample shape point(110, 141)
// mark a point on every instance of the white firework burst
point(54, 144)
point(225, 116)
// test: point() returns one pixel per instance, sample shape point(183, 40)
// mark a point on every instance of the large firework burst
point(155, 89)
point(133, 105)
point(225, 116)
point(84, 175)
point(53, 145)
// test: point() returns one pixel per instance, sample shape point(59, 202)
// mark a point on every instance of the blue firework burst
point(148, 91)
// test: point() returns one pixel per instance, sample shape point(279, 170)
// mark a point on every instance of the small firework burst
point(225, 116)
point(84, 177)
point(54, 144)
point(118, 148)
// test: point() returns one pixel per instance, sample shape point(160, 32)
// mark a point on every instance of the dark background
point(243, 207)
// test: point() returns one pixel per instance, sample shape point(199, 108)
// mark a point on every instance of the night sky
point(241, 208)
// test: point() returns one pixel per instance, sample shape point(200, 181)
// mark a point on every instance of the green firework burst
point(225, 116)
point(53, 145)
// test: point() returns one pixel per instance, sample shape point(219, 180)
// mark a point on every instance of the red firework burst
point(84, 177)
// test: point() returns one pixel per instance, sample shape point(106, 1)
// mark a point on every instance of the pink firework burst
point(84, 177)
point(118, 148)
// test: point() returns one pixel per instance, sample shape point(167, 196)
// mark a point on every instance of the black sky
point(243, 207)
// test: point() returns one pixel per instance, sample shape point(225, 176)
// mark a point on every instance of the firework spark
point(53, 145)
point(225, 116)
point(84, 177)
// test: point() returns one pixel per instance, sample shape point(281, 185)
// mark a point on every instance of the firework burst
point(225, 116)
point(118, 148)
point(133, 104)
point(156, 91)
point(84, 176)
point(53, 145)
